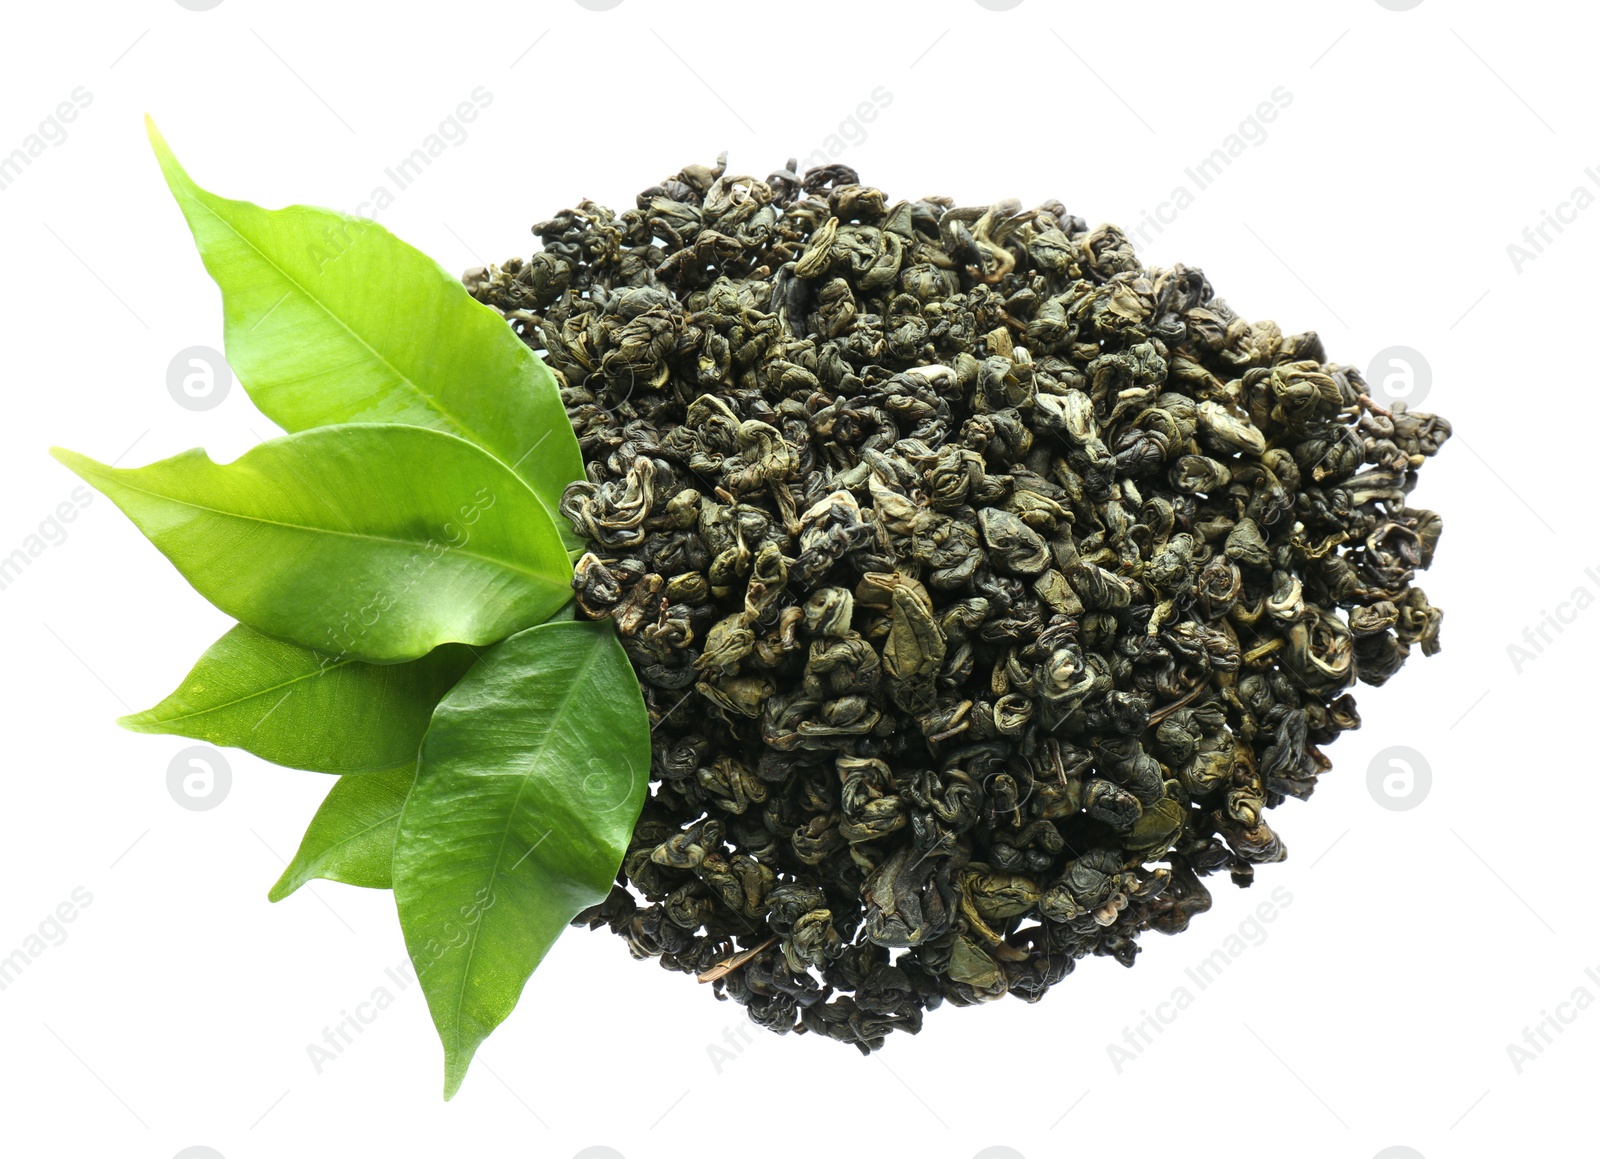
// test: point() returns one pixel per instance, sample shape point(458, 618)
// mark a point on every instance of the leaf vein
point(403, 378)
point(573, 685)
point(314, 529)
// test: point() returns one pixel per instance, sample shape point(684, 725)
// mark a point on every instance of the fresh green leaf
point(303, 709)
point(331, 319)
point(373, 542)
point(351, 838)
point(532, 775)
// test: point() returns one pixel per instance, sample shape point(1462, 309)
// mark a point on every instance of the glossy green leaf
point(532, 776)
point(304, 709)
point(374, 542)
point(351, 838)
point(331, 319)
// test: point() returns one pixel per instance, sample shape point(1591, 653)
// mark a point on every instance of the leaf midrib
point(309, 871)
point(359, 833)
point(401, 376)
point(320, 672)
point(461, 427)
point(313, 529)
point(511, 815)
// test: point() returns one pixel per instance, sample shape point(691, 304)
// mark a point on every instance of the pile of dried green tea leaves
point(986, 588)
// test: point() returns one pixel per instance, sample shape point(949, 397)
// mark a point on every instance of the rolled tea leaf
point(351, 837)
point(331, 319)
point(365, 541)
point(532, 775)
point(985, 656)
point(304, 709)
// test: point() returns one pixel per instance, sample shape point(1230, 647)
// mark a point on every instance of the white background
point(1375, 1012)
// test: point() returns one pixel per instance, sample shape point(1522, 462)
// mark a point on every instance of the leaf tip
point(73, 461)
point(176, 177)
point(158, 143)
point(455, 1070)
